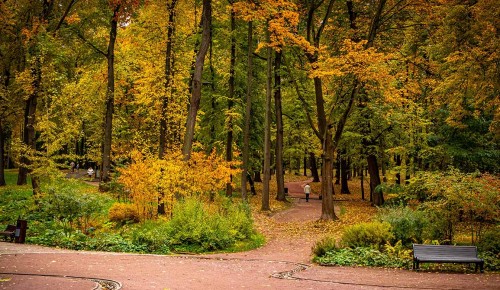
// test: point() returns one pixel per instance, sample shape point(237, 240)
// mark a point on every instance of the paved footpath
point(280, 264)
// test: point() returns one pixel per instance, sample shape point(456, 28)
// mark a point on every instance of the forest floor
point(283, 263)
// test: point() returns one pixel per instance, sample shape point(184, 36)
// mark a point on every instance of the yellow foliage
point(151, 180)
point(123, 212)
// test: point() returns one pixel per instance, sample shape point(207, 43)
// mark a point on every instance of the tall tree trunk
point(267, 129)
point(305, 164)
point(110, 99)
point(314, 167)
point(257, 177)
point(377, 195)
point(344, 172)
point(168, 79)
point(166, 98)
point(362, 183)
point(194, 103)
point(280, 179)
point(398, 164)
point(2, 153)
point(252, 184)
point(248, 111)
point(230, 101)
point(29, 136)
point(337, 168)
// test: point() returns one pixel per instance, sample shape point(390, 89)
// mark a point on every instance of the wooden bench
point(445, 254)
point(9, 232)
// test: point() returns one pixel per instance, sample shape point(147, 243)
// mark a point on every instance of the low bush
point(194, 228)
point(365, 256)
point(153, 236)
point(324, 245)
point(407, 225)
point(372, 234)
point(490, 241)
point(123, 213)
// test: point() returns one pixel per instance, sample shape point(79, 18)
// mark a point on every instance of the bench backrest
point(444, 250)
point(10, 228)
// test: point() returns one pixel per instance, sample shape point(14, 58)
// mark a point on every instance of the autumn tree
point(194, 102)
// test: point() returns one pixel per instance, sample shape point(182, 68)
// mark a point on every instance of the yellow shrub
point(123, 212)
point(151, 181)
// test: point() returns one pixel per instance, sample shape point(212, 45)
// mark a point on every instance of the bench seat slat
point(445, 254)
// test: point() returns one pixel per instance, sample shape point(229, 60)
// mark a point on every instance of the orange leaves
point(150, 180)
point(282, 17)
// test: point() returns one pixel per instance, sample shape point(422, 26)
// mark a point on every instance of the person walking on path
point(90, 172)
point(307, 191)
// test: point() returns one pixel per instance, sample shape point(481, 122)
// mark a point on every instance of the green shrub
point(407, 225)
point(324, 245)
point(193, 228)
point(364, 256)
point(490, 241)
point(72, 209)
point(372, 234)
point(123, 213)
point(112, 242)
point(153, 236)
point(491, 260)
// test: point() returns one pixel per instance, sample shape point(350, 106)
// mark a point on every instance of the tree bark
point(362, 183)
point(230, 102)
point(248, 111)
point(377, 195)
point(29, 137)
point(314, 167)
point(110, 99)
point(280, 179)
point(267, 129)
point(168, 79)
point(344, 172)
point(194, 103)
point(2, 153)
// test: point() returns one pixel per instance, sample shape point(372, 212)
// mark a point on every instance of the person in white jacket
point(307, 191)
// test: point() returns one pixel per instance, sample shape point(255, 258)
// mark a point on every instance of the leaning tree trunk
point(194, 103)
point(280, 179)
point(110, 100)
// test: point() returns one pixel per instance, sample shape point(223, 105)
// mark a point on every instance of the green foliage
point(452, 197)
point(372, 234)
point(407, 225)
point(195, 228)
point(72, 209)
point(324, 245)
point(14, 202)
point(366, 256)
point(491, 260)
point(490, 241)
point(152, 236)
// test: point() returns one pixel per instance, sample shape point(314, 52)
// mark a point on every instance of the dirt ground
point(283, 263)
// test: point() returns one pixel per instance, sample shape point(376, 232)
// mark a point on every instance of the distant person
point(307, 191)
point(77, 166)
point(90, 172)
point(72, 165)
